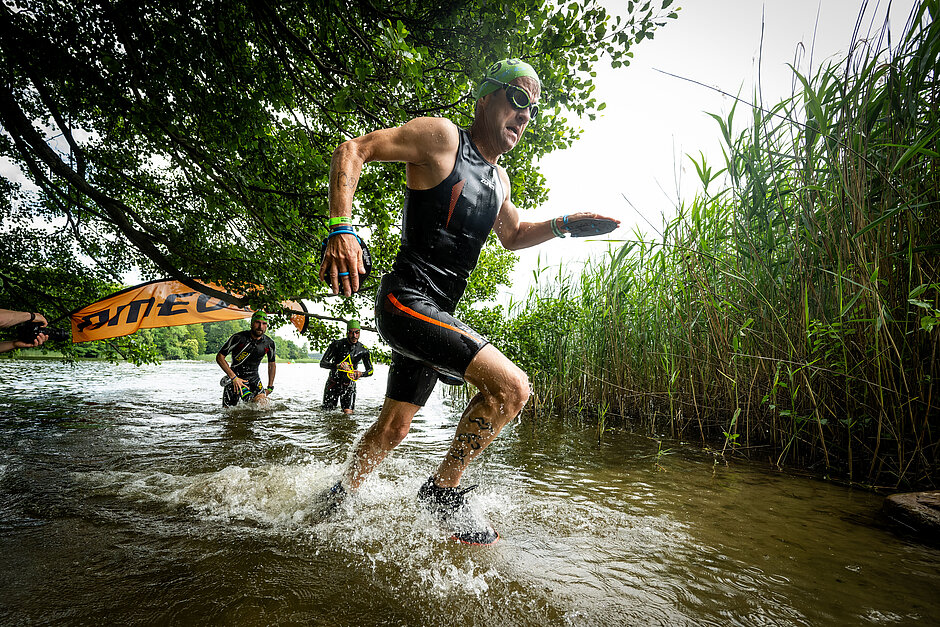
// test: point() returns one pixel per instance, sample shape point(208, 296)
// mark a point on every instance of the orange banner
point(163, 303)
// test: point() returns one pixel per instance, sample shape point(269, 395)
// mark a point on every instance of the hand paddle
point(587, 227)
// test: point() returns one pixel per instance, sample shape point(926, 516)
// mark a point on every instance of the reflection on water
point(129, 495)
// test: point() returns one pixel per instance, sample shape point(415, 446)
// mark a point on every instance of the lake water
point(130, 496)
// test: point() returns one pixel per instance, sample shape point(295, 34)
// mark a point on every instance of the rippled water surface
point(129, 496)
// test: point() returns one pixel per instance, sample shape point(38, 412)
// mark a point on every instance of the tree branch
point(17, 124)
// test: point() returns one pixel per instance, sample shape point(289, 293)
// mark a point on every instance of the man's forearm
point(345, 170)
point(223, 364)
point(530, 234)
point(526, 234)
point(9, 318)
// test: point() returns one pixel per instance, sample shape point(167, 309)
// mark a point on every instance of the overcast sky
point(636, 149)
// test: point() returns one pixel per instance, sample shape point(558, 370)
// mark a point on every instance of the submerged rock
point(918, 513)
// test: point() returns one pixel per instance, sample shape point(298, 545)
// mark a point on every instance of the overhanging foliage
point(192, 140)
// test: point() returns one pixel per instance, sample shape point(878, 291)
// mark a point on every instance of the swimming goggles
point(517, 97)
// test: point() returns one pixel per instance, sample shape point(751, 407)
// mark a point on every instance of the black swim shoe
point(450, 507)
point(328, 501)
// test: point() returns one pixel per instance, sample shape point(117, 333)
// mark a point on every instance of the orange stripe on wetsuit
point(419, 316)
point(454, 197)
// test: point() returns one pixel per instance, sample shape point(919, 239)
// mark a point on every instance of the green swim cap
point(352, 324)
point(259, 315)
point(504, 71)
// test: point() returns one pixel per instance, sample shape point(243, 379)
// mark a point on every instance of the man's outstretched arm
point(515, 234)
point(9, 318)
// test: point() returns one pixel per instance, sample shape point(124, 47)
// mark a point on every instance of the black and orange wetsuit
point(338, 384)
point(443, 231)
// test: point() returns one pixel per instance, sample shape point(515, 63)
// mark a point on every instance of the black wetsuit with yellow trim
point(338, 385)
point(247, 352)
point(443, 231)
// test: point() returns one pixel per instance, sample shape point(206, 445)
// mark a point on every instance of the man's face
point(503, 122)
point(258, 327)
point(352, 335)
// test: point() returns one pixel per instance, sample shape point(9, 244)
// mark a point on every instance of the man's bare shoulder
point(438, 131)
point(431, 123)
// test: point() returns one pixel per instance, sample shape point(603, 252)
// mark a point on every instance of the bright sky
point(652, 120)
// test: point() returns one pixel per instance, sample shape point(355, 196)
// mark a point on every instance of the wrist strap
point(555, 230)
point(32, 316)
point(339, 220)
point(343, 229)
point(565, 226)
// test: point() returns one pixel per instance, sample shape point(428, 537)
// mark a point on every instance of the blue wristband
point(343, 230)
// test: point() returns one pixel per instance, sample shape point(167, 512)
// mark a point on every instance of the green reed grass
point(791, 315)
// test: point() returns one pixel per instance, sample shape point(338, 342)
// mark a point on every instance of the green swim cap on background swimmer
point(352, 325)
point(504, 71)
point(259, 315)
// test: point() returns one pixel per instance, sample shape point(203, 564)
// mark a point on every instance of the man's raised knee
point(513, 394)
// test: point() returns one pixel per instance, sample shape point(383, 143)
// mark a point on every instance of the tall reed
point(794, 314)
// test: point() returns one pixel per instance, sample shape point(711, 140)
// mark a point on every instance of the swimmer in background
point(342, 358)
point(248, 348)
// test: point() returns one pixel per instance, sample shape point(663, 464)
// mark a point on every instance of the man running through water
point(342, 357)
point(456, 194)
point(248, 348)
